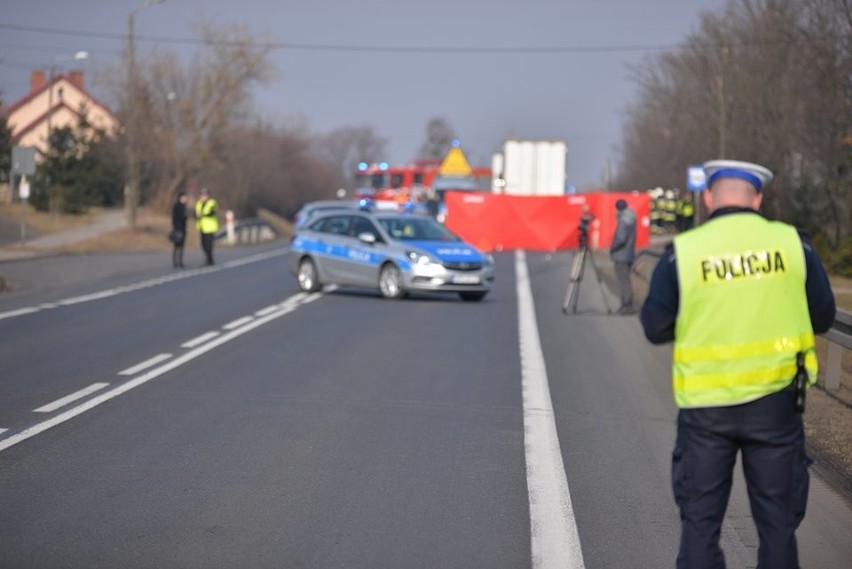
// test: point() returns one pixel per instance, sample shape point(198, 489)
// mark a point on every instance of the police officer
point(669, 211)
point(207, 222)
point(685, 212)
point(742, 297)
point(657, 211)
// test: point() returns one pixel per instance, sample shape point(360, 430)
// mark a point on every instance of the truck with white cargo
point(530, 168)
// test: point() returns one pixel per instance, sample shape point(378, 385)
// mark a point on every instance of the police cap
point(620, 204)
point(755, 174)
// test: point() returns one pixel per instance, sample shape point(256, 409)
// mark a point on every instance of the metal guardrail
point(654, 255)
point(839, 337)
point(247, 231)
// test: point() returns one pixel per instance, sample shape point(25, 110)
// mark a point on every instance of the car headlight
point(487, 260)
point(420, 258)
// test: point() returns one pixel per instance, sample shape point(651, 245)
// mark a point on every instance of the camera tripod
point(578, 266)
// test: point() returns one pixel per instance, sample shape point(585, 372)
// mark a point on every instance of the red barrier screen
point(495, 222)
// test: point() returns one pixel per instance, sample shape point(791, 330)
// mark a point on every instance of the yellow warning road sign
point(455, 164)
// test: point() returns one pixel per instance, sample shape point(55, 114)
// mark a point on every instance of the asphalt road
point(223, 419)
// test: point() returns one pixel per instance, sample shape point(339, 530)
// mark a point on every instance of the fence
point(839, 337)
point(246, 231)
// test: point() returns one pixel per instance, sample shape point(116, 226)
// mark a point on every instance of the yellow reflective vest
point(206, 219)
point(743, 313)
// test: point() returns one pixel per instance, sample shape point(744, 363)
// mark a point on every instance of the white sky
point(576, 92)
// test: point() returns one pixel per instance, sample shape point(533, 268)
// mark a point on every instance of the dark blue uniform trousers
point(770, 435)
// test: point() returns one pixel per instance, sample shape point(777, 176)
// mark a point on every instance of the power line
point(486, 50)
point(352, 48)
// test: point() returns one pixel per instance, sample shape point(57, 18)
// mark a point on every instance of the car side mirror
point(367, 238)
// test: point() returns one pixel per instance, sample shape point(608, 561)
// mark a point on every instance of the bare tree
point(345, 147)
point(274, 169)
point(763, 80)
point(439, 138)
point(189, 108)
point(824, 165)
point(301, 176)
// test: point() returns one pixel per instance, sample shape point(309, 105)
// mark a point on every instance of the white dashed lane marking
point(197, 341)
point(268, 310)
point(238, 322)
point(59, 403)
point(145, 365)
point(216, 340)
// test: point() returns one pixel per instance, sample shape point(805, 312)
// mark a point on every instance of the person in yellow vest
point(657, 211)
point(685, 212)
point(669, 212)
point(741, 297)
point(207, 222)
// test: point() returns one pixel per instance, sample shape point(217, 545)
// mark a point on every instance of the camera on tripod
point(584, 255)
point(583, 228)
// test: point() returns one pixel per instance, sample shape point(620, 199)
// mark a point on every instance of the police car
point(311, 209)
point(397, 253)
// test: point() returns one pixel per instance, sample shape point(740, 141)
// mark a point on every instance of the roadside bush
point(837, 261)
point(78, 171)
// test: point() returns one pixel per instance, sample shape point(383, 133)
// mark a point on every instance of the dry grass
point(151, 234)
point(282, 226)
point(842, 292)
point(45, 222)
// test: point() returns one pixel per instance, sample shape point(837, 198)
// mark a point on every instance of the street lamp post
point(131, 188)
point(51, 72)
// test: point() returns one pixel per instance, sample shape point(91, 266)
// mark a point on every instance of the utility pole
point(723, 108)
point(131, 187)
point(51, 76)
point(723, 119)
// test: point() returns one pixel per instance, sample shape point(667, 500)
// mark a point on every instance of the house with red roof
point(56, 101)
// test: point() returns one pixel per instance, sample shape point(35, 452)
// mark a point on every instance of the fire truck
point(382, 181)
point(420, 181)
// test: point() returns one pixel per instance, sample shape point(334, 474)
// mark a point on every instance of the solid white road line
point(51, 407)
point(144, 284)
point(19, 312)
point(89, 297)
point(135, 382)
point(554, 540)
point(145, 365)
point(238, 322)
point(3, 431)
point(199, 340)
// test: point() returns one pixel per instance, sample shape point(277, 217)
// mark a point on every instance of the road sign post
point(696, 182)
point(24, 193)
point(23, 164)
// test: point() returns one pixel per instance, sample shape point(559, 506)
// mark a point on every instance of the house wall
point(36, 109)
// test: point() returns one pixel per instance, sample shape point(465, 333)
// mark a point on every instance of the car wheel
point(472, 296)
point(308, 277)
point(390, 282)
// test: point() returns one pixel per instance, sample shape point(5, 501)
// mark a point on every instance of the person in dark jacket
point(623, 253)
point(741, 297)
point(178, 234)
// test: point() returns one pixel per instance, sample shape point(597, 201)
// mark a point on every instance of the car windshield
point(416, 229)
